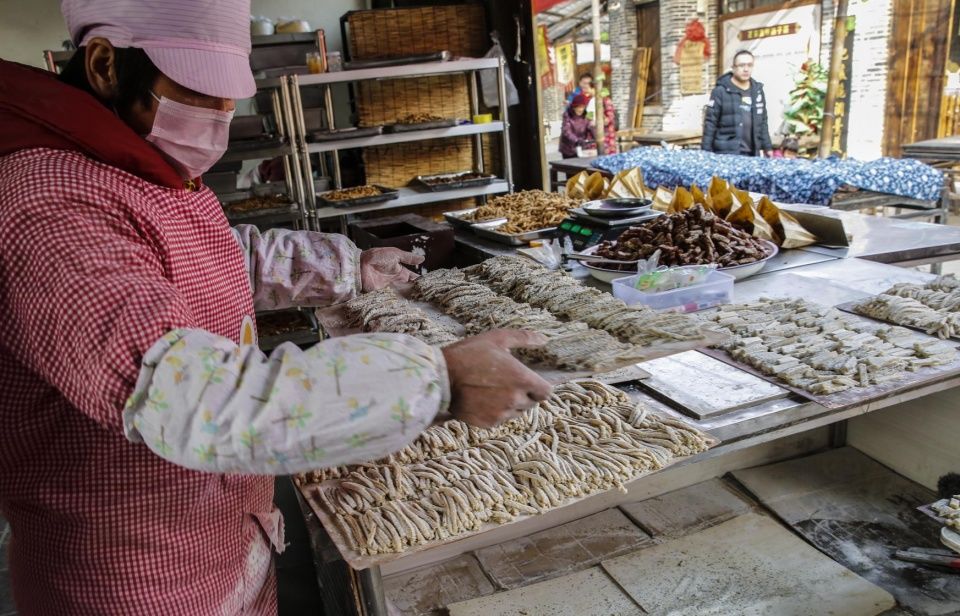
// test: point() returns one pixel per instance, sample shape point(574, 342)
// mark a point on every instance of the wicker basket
point(392, 33)
point(396, 165)
point(380, 103)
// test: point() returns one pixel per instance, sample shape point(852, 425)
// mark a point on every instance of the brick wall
point(679, 112)
point(868, 93)
point(623, 46)
point(684, 112)
point(869, 85)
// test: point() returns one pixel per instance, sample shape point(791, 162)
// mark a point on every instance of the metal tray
point(488, 230)
point(344, 133)
point(308, 334)
point(439, 56)
point(386, 194)
point(406, 128)
point(291, 209)
point(617, 208)
point(457, 220)
point(423, 181)
point(246, 145)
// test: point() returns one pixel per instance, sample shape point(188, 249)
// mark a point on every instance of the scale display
point(586, 231)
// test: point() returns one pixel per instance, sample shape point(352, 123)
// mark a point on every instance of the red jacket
point(102, 251)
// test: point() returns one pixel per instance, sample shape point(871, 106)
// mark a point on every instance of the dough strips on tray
point(933, 307)
point(586, 438)
point(821, 350)
point(564, 296)
point(602, 332)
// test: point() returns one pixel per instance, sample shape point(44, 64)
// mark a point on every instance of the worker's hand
point(384, 267)
point(488, 385)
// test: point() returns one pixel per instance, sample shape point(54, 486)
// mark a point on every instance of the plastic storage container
point(715, 290)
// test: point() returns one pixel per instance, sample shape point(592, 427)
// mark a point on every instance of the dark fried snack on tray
point(419, 118)
point(356, 192)
point(257, 203)
point(692, 237)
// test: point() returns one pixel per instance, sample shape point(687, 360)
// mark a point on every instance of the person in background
point(584, 86)
point(577, 130)
point(142, 425)
point(736, 118)
point(609, 123)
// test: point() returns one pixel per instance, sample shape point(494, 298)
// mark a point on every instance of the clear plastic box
point(717, 289)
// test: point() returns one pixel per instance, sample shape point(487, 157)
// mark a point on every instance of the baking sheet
point(855, 395)
point(488, 230)
point(423, 181)
point(334, 321)
point(849, 307)
point(457, 220)
point(359, 561)
point(343, 133)
point(407, 128)
point(701, 387)
point(386, 194)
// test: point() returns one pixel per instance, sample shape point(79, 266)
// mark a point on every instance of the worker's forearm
point(204, 403)
point(299, 268)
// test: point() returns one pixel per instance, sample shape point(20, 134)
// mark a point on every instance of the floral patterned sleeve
point(207, 404)
point(299, 268)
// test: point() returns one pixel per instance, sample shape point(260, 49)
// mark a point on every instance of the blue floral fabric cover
point(788, 181)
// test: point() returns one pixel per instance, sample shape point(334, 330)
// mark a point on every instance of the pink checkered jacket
point(107, 262)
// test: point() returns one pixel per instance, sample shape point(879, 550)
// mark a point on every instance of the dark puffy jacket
point(576, 130)
point(721, 125)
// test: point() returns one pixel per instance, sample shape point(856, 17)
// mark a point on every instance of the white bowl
point(739, 272)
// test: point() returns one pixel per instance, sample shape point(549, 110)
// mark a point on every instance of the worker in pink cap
point(141, 424)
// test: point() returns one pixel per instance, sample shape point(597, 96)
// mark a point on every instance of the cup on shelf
point(334, 61)
point(315, 62)
point(483, 118)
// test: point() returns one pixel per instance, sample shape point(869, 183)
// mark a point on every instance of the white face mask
point(192, 138)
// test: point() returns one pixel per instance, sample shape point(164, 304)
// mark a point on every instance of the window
point(735, 6)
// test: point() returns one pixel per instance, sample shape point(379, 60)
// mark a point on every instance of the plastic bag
point(488, 81)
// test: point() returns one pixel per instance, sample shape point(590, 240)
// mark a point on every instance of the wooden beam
point(836, 65)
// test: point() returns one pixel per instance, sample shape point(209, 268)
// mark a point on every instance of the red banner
point(543, 5)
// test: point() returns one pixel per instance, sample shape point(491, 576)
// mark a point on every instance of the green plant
point(803, 114)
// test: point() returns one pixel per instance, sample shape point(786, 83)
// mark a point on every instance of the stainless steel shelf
point(410, 196)
point(406, 137)
point(388, 72)
point(254, 154)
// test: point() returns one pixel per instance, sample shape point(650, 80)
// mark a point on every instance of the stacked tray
point(453, 181)
point(386, 194)
point(257, 206)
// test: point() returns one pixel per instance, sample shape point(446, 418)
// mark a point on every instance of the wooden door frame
point(903, 96)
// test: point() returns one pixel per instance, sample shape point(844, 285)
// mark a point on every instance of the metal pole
point(836, 63)
point(306, 166)
point(328, 103)
point(285, 92)
point(371, 590)
point(474, 110)
point(597, 79)
point(505, 118)
point(282, 132)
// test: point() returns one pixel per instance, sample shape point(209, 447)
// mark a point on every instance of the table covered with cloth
point(785, 180)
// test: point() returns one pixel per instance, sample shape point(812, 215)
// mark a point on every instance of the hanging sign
point(692, 80)
point(841, 105)
point(566, 64)
point(753, 34)
point(543, 58)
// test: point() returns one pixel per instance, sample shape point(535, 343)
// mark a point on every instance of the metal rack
point(408, 197)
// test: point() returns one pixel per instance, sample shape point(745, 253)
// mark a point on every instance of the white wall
point(27, 27)
point(918, 439)
point(320, 13)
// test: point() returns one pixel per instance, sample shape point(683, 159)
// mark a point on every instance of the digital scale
point(586, 230)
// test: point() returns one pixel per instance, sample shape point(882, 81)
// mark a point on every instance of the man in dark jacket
point(736, 116)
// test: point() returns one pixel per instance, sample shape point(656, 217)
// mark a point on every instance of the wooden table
point(683, 139)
